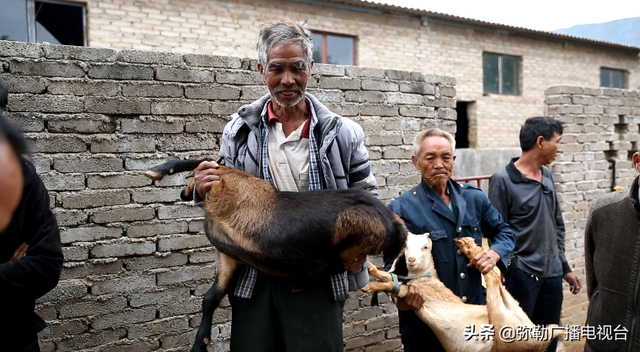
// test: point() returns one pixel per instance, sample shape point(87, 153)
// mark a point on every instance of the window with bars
point(612, 78)
point(54, 22)
point(333, 49)
point(501, 73)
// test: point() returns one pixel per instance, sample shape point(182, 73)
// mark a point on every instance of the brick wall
point(600, 124)
point(136, 260)
point(388, 41)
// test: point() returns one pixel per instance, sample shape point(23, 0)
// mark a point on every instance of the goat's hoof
point(153, 175)
point(367, 289)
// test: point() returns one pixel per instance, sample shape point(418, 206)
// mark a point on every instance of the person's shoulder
point(406, 196)
point(500, 174)
point(607, 200)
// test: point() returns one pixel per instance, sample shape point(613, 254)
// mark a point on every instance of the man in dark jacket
point(30, 249)
point(442, 209)
point(612, 263)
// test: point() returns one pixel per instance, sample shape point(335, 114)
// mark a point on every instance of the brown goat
point(448, 316)
point(285, 233)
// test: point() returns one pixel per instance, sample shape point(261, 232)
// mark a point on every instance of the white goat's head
point(418, 254)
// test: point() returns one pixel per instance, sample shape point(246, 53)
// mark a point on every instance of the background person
point(524, 193)
point(442, 208)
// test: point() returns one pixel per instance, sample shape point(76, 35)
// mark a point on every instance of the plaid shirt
point(248, 275)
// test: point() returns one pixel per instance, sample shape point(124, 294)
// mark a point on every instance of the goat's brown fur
point(285, 233)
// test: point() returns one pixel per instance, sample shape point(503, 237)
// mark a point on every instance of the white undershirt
point(288, 158)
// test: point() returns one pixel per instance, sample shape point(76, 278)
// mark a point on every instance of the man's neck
point(441, 190)
point(291, 117)
point(530, 166)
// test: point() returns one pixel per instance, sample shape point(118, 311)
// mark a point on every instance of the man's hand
point(485, 261)
point(354, 264)
point(20, 252)
point(574, 282)
point(206, 174)
point(412, 301)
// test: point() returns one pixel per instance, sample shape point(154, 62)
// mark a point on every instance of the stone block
point(327, 70)
point(89, 234)
point(90, 268)
point(24, 84)
point(368, 72)
point(380, 85)
point(117, 106)
point(56, 144)
point(202, 256)
point(166, 260)
point(75, 253)
point(94, 199)
point(153, 125)
point(119, 71)
point(65, 291)
point(152, 90)
point(156, 229)
point(418, 88)
point(140, 346)
point(114, 181)
point(93, 307)
point(174, 295)
point(46, 68)
point(186, 143)
point(238, 77)
point(207, 123)
point(45, 103)
point(20, 49)
point(185, 75)
point(378, 110)
point(122, 214)
point(122, 249)
point(54, 181)
point(82, 88)
point(159, 327)
point(212, 92)
point(190, 306)
point(184, 274)
point(149, 57)
point(70, 52)
point(92, 339)
point(199, 60)
point(123, 284)
point(179, 211)
point(180, 242)
point(342, 83)
point(80, 123)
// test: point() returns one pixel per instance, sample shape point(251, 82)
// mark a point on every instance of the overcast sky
point(545, 15)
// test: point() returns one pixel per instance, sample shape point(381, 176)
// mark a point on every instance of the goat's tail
point(173, 167)
point(397, 242)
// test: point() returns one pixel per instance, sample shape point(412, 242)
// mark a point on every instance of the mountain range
point(624, 31)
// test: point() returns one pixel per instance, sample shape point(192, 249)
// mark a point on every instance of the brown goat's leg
point(379, 274)
point(212, 299)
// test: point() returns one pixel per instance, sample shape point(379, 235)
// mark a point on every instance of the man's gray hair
point(417, 141)
point(284, 32)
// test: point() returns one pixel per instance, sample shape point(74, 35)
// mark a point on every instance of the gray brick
point(365, 96)
point(185, 143)
point(24, 84)
point(93, 199)
point(45, 103)
point(343, 83)
point(199, 256)
point(180, 107)
point(178, 242)
point(123, 143)
point(92, 339)
point(89, 234)
point(57, 144)
point(378, 110)
point(199, 60)
point(123, 284)
point(404, 99)
point(93, 307)
point(418, 111)
point(253, 92)
point(385, 86)
point(149, 57)
point(28, 122)
point(225, 108)
point(185, 75)
point(75, 253)
point(153, 125)
point(117, 106)
point(120, 71)
point(83, 88)
point(327, 96)
point(165, 228)
point(238, 77)
point(212, 91)
point(186, 274)
point(65, 291)
point(70, 217)
point(190, 306)
point(69, 52)
point(140, 346)
point(13, 48)
point(418, 88)
point(207, 123)
point(155, 90)
point(54, 181)
point(116, 249)
point(46, 68)
point(179, 294)
point(157, 261)
point(181, 340)
point(442, 80)
point(344, 109)
point(156, 195)
point(364, 340)
point(179, 211)
point(127, 180)
point(88, 269)
point(357, 71)
point(120, 214)
point(81, 123)
point(160, 327)
point(68, 328)
point(327, 70)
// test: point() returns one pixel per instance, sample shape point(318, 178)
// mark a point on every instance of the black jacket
point(612, 263)
point(24, 280)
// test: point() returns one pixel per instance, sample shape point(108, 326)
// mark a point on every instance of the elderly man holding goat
point(290, 139)
point(443, 210)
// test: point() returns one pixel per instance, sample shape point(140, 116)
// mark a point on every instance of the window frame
point(324, 45)
point(31, 18)
point(611, 71)
point(518, 89)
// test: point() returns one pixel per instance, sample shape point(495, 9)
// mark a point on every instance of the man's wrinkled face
point(435, 161)
point(286, 74)
point(11, 183)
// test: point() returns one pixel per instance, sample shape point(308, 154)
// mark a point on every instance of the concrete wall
point(136, 260)
point(388, 41)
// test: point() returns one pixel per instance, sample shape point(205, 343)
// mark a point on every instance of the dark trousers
point(27, 343)
point(540, 298)
point(426, 342)
point(277, 319)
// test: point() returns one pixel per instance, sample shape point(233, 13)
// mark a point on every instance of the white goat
point(447, 315)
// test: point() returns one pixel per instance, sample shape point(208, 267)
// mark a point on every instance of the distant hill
point(625, 31)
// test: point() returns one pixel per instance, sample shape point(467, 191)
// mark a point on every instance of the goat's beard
point(275, 93)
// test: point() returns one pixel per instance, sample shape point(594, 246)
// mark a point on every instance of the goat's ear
point(187, 192)
point(395, 261)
